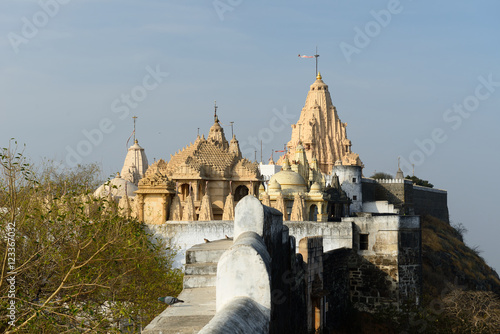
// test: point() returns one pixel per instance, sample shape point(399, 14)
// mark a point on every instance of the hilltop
point(461, 292)
point(448, 260)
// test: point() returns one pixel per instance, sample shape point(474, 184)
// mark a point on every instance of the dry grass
point(446, 259)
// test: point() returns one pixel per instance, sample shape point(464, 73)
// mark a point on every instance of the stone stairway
point(201, 263)
point(198, 294)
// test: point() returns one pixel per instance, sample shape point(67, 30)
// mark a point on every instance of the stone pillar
point(311, 249)
point(140, 205)
point(165, 204)
point(322, 216)
point(196, 191)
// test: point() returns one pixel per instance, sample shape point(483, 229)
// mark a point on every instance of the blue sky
point(67, 67)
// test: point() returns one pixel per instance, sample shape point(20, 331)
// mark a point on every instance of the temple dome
point(274, 185)
point(290, 181)
point(316, 187)
point(118, 186)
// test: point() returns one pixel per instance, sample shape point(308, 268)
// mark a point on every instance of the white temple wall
point(379, 207)
point(185, 234)
point(350, 181)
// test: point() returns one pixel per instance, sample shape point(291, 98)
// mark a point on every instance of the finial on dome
point(136, 141)
point(319, 76)
point(134, 118)
point(286, 164)
point(216, 119)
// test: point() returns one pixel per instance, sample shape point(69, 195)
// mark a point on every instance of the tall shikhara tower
point(321, 132)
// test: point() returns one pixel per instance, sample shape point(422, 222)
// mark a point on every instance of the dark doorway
point(313, 213)
point(240, 192)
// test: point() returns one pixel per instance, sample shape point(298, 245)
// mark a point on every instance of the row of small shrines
point(296, 209)
point(185, 204)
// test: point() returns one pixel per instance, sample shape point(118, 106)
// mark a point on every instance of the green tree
point(79, 265)
point(381, 175)
point(419, 182)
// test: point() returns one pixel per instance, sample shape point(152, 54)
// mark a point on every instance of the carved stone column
point(322, 216)
point(140, 204)
point(165, 206)
point(196, 192)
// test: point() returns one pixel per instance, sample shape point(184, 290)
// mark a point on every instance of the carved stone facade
point(298, 191)
point(154, 195)
point(198, 181)
point(320, 131)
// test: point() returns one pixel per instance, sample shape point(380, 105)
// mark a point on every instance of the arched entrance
point(240, 192)
point(335, 211)
point(313, 213)
point(184, 191)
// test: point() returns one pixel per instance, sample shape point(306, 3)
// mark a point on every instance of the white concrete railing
point(241, 315)
point(244, 275)
point(393, 181)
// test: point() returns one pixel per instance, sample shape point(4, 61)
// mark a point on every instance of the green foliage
point(80, 179)
point(79, 265)
point(381, 175)
point(419, 182)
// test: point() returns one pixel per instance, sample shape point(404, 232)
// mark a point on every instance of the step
point(207, 252)
point(204, 268)
point(188, 317)
point(199, 281)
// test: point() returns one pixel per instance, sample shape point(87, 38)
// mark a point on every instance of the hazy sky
point(415, 79)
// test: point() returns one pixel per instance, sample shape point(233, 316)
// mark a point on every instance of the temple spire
point(320, 132)
point(216, 133)
point(399, 173)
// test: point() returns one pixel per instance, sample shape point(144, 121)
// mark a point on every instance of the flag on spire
point(132, 134)
point(316, 55)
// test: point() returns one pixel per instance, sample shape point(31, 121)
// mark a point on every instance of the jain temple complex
point(283, 247)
